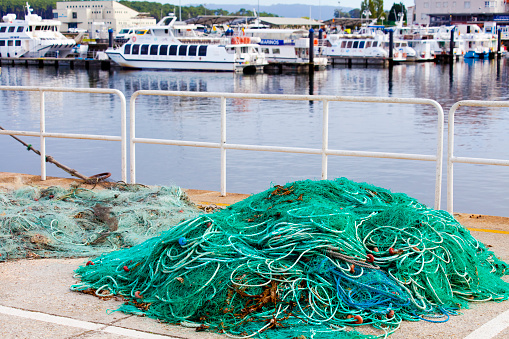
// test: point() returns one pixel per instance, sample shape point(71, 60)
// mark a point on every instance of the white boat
point(288, 46)
point(177, 47)
point(32, 37)
point(361, 47)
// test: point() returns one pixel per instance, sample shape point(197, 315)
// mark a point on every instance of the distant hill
point(289, 11)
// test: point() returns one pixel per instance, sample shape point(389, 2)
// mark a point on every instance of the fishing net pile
point(73, 222)
point(309, 259)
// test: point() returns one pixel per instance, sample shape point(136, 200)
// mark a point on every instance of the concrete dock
point(36, 301)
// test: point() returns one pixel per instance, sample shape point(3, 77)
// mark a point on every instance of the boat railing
point(452, 158)
point(324, 151)
point(43, 134)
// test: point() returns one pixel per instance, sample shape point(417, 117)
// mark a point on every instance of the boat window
point(2, 43)
point(183, 50)
point(368, 44)
point(202, 51)
point(349, 44)
point(9, 42)
point(30, 28)
point(355, 44)
point(2, 29)
point(276, 51)
point(343, 44)
point(375, 43)
point(361, 44)
point(163, 50)
point(127, 49)
point(18, 43)
point(265, 50)
point(153, 49)
point(37, 28)
point(397, 44)
point(173, 49)
point(20, 29)
point(192, 50)
point(136, 49)
point(144, 50)
point(11, 29)
point(140, 32)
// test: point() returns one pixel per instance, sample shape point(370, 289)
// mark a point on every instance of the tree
point(395, 10)
point(355, 13)
point(338, 13)
point(375, 7)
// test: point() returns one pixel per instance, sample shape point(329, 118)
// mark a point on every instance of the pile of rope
point(77, 222)
point(309, 259)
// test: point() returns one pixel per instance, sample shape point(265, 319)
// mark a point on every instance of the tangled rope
point(311, 258)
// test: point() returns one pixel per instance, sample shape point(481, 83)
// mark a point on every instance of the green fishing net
point(77, 222)
point(310, 259)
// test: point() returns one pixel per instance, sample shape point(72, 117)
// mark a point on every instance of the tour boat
point(178, 47)
point(32, 37)
point(287, 46)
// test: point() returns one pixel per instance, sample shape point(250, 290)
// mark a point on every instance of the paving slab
point(36, 301)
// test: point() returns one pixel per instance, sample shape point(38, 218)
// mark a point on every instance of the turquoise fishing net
point(310, 259)
point(77, 222)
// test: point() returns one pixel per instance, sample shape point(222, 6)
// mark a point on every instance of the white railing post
point(450, 153)
point(42, 130)
point(223, 149)
point(132, 145)
point(325, 138)
point(123, 135)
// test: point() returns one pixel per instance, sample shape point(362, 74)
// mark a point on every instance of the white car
point(76, 30)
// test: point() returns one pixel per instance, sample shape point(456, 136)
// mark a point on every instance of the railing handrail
point(451, 159)
point(325, 151)
point(42, 123)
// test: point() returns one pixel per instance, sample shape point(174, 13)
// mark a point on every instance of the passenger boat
point(178, 47)
point(32, 37)
point(287, 46)
point(361, 47)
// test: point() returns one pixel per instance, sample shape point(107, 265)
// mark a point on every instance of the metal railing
point(42, 134)
point(324, 151)
point(451, 159)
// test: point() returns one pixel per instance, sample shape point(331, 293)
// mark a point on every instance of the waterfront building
point(98, 14)
point(455, 12)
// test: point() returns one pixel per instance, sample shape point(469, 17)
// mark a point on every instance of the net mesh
point(72, 222)
point(310, 259)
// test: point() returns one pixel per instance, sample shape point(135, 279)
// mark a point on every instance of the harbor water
point(480, 132)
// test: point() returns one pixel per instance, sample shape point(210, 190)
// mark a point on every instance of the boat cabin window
point(11, 29)
point(361, 44)
point(163, 50)
point(153, 49)
point(127, 49)
point(183, 50)
point(375, 43)
point(2, 43)
point(230, 50)
point(265, 50)
point(17, 43)
point(140, 31)
point(136, 49)
point(276, 51)
point(144, 50)
point(343, 44)
point(368, 44)
point(349, 44)
point(20, 29)
point(30, 28)
point(397, 45)
point(355, 44)
point(192, 50)
point(173, 49)
point(202, 51)
point(37, 28)
point(2, 29)
point(9, 42)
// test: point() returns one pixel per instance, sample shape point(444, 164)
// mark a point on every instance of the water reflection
point(372, 127)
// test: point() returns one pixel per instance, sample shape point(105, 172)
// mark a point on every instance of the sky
point(342, 3)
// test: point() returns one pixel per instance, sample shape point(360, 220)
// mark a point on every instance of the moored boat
point(173, 47)
point(32, 37)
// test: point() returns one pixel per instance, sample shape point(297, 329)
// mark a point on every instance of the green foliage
point(395, 10)
point(44, 8)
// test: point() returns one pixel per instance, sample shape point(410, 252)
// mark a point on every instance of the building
point(454, 12)
point(97, 15)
